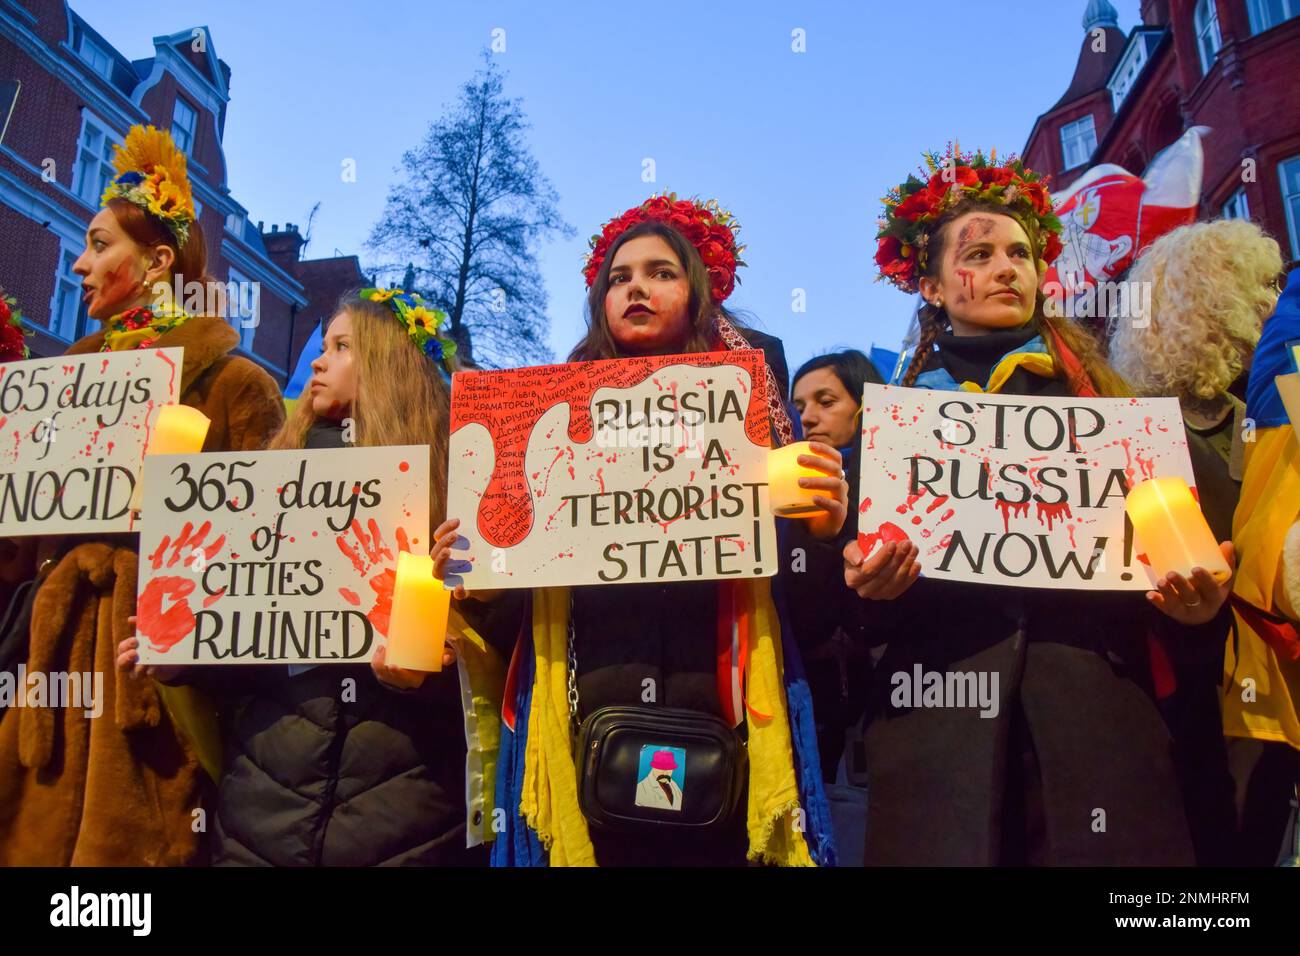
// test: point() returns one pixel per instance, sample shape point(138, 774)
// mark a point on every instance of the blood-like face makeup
point(988, 275)
point(332, 388)
point(112, 268)
point(648, 299)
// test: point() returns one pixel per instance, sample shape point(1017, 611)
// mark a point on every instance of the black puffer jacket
point(332, 768)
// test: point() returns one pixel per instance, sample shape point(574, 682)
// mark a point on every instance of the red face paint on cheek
point(118, 287)
point(967, 280)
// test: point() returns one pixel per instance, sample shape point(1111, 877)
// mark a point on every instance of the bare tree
point(468, 214)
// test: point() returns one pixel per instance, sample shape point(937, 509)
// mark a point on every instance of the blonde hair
point(401, 396)
point(1210, 287)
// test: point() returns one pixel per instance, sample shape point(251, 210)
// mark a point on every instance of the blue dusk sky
point(799, 146)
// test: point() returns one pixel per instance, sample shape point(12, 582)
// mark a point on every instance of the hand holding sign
point(887, 573)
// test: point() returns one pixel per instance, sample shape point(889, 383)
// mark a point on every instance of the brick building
point(77, 96)
point(1232, 65)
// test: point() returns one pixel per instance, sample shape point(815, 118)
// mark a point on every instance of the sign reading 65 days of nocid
point(270, 557)
point(73, 430)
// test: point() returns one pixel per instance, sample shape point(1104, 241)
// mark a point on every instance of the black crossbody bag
point(642, 770)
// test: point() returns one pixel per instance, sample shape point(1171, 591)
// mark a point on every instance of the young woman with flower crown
point(122, 790)
point(657, 277)
point(312, 777)
point(1074, 765)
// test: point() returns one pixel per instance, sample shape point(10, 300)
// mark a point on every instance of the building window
point(184, 122)
point(235, 224)
point(1236, 207)
point(1266, 14)
point(1078, 140)
point(67, 313)
point(1208, 40)
point(96, 56)
point(94, 166)
point(1288, 173)
point(243, 307)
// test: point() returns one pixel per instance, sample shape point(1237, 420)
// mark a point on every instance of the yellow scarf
point(141, 327)
point(550, 792)
point(1040, 363)
point(1269, 505)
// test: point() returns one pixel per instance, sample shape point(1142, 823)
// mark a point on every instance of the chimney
point(283, 247)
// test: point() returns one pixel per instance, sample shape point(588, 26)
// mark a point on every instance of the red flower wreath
point(709, 228)
point(13, 339)
point(912, 208)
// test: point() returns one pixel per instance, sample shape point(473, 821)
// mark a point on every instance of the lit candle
point(788, 500)
point(1169, 528)
point(178, 430)
point(417, 628)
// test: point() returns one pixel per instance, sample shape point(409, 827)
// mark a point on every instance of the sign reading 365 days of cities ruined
point(276, 556)
point(72, 434)
point(1011, 489)
point(620, 471)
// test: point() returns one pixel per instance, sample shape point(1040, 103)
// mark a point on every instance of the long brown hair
point(401, 396)
point(934, 320)
point(598, 343)
point(146, 229)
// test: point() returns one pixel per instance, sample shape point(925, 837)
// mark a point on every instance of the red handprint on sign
point(164, 629)
point(368, 552)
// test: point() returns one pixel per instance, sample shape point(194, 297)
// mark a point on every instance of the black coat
point(332, 768)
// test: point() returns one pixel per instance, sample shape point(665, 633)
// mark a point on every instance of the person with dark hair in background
point(828, 397)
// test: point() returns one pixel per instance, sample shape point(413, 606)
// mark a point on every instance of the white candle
point(417, 628)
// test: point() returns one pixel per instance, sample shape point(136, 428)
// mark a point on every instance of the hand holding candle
point(1194, 573)
point(806, 480)
point(417, 627)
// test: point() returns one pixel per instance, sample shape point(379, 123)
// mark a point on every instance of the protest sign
point(629, 470)
point(277, 556)
point(1013, 489)
point(73, 430)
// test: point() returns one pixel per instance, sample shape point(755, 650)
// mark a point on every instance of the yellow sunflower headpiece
point(151, 173)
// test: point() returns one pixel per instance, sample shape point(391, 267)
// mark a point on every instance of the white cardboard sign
point(73, 430)
point(1011, 489)
point(276, 557)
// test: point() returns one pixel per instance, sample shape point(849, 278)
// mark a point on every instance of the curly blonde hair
point(1211, 289)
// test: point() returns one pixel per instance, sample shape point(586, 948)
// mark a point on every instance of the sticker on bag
point(661, 777)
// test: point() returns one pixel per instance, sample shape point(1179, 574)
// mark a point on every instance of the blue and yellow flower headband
point(151, 173)
point(421, 320)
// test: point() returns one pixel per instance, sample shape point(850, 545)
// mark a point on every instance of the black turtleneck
point(972, 358)
point(325, 434)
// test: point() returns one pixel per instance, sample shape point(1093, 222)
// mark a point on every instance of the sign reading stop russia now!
point(614, 471)
point(276, 557)
point(1011, 489)
point(73, 430)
